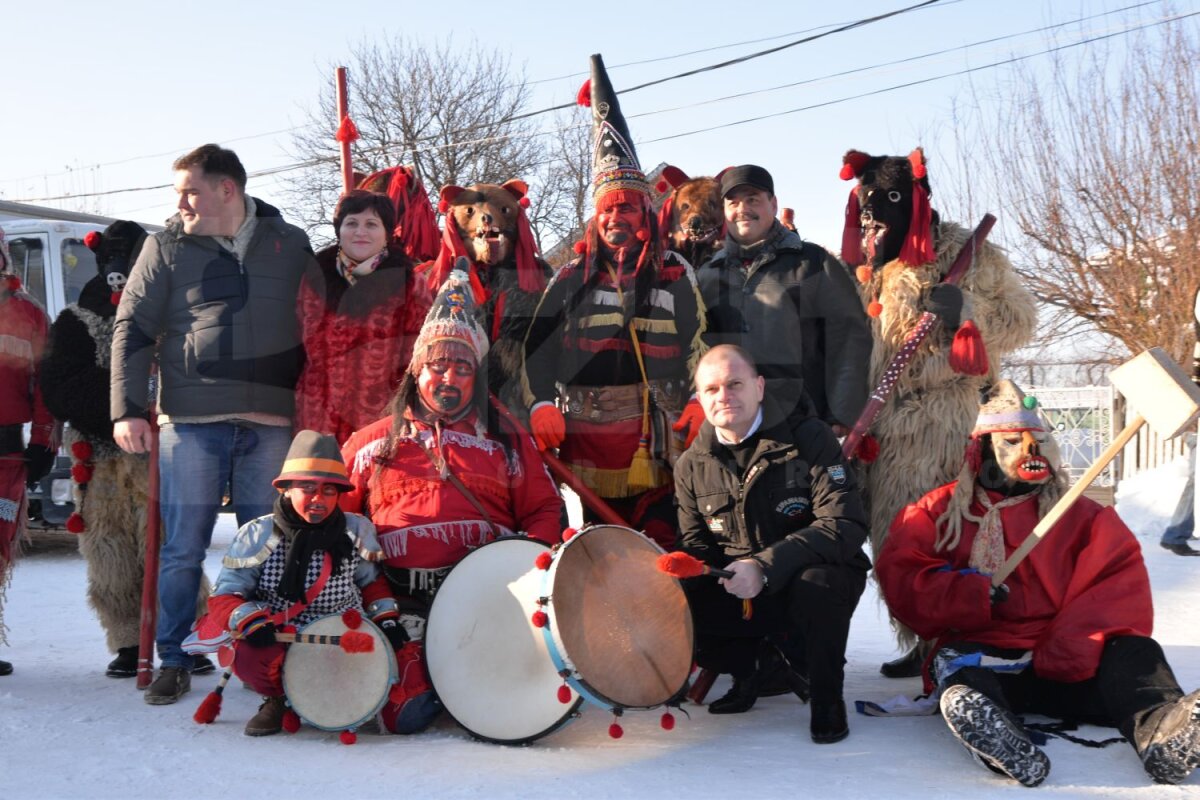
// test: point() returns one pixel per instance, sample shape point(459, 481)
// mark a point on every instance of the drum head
point(334, 690)
point(624, 625)
point(487, 662)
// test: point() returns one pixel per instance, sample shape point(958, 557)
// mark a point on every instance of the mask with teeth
point(485, 216)
point(881, 215)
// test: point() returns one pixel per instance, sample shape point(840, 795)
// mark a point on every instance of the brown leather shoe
point(269, 719)
point(171, 684)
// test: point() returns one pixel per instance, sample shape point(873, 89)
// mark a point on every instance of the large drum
point(488, 664)
point(334, 690)
point(617, 628)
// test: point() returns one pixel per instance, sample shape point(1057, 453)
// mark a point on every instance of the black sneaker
point(1174, 749)
point(171, 684)
point(993, 736)
point(125, 664)
point(202, 665)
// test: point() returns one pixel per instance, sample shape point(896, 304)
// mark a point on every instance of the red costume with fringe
point(1084, 584)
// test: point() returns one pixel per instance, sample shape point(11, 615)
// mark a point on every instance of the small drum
point(618, 629)
point(334, 690)
point(488, 665)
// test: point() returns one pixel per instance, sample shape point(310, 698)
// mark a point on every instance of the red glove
point(689, 422)
point(548, 426)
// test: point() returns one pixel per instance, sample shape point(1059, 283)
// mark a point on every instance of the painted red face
point(447, 384)
point(619, 224)
point(312, 500)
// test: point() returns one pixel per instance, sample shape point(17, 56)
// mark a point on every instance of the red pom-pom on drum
point(539, 619)
point(543, 560)
point(564, 694)
point(616, 731)
point(352, 618)
point(291, 721)
point(569, 533)
point(667, 721)
point(348, 737)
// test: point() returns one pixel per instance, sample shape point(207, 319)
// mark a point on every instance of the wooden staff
point(345, 126)
point(900, 361)
point(149, 615)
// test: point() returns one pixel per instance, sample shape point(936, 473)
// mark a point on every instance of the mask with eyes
point(1014, 452)
point(888, 216)
point(486, 218)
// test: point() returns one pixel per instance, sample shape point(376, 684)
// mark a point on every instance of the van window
point(79, 267)
point(29, 262)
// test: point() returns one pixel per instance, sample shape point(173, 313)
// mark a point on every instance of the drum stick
point(682, 565)
point(350, 641)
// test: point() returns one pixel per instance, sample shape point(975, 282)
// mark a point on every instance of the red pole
point(145, 670)
point(343, 111)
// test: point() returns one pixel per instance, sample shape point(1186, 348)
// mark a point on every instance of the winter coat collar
point(774, 435)
point(264, 213)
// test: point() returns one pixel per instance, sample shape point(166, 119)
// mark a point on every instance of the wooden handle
point(1067, 500)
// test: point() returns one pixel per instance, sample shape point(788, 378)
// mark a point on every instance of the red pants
point(261, 668)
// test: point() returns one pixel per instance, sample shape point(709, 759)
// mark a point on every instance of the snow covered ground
point(66, 731)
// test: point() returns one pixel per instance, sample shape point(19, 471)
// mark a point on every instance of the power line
point(502, 137)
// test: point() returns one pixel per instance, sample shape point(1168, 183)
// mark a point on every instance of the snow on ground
point(66, 731)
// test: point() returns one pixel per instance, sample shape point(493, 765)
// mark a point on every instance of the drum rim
point(572, 709)
point(393, 676)
point(557, 648)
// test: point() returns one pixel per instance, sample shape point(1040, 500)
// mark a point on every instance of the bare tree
point(443, 108)
point(1099, 170)
point(560, 205)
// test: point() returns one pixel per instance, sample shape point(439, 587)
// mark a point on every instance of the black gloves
point(999, 593)
point(262, 636)
point(38, 461)
point(945, 301)
point(395, 633)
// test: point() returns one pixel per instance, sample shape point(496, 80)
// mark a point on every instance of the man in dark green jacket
point(213, 299)
point(767, 496)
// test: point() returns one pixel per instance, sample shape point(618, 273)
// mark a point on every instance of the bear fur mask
point(485, 217)
point(693, 217)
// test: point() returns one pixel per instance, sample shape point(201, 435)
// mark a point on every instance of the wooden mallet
point(1163, 395)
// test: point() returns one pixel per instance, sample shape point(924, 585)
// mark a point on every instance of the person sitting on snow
point(441, 476)
point(306, 560)
point(1066, 635)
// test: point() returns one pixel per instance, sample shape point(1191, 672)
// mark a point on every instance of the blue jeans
point(197, 462)
point(1183, 521)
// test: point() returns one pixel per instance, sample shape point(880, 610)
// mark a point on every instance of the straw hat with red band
point(314, 457)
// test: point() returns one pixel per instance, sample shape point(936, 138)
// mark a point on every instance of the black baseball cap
point(746, 175)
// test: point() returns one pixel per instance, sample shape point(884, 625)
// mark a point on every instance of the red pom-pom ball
point(661, 187)
point(75, 523)
point(616, 731)
point(584, 96)
point(352, 618)
point(667, 721)
point(443, 207)
point(847, 172)
point(523, 202)
point(543, 560)
point(291, 722)
point(564, 694)
point(82, 451)
point(863, 273)
point(539, 619)
point(115, 298)
point(348, 737)
point(868, 449)
point(92, 240)
point(569, 533)
point(874, 308)
point(81, 473)
point(579, 247)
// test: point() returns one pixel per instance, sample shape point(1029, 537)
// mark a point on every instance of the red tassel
point(918, 242)
point(847, 172)
point(863, 272)
point(852, 252)
point(868, 449)
point(92, 240)
point(291, 721)
point(357, 642)
point(564, 694)
point(347, 131)
point(352, 618)
point(539, 619)
point(75, 523)
point(616, 731)
point(916, 159)
point(968, 356)
point(209, 709)
point(569, 533)
point(348, 737)
point(543, 560)
point(82, 473)
point(667, 721)
point(82, 451)
point(874, 309)
point(584, 96)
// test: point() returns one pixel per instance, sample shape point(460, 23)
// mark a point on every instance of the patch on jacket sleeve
point(837, 473)
point(792, 506)
point(715, 524)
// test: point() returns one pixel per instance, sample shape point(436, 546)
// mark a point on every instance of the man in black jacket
point(213, 298)
point(788, 302)
point(767, 496)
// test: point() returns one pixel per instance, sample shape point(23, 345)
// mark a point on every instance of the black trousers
point(1128, 692)
point(813, 608)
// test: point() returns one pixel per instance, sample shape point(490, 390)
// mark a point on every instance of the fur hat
point(454, 317)
point(314, 457)
point(117, 247)
point(615, 165)
point(1007, 409)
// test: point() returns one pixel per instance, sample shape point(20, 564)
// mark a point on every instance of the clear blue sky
point(140, 83)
